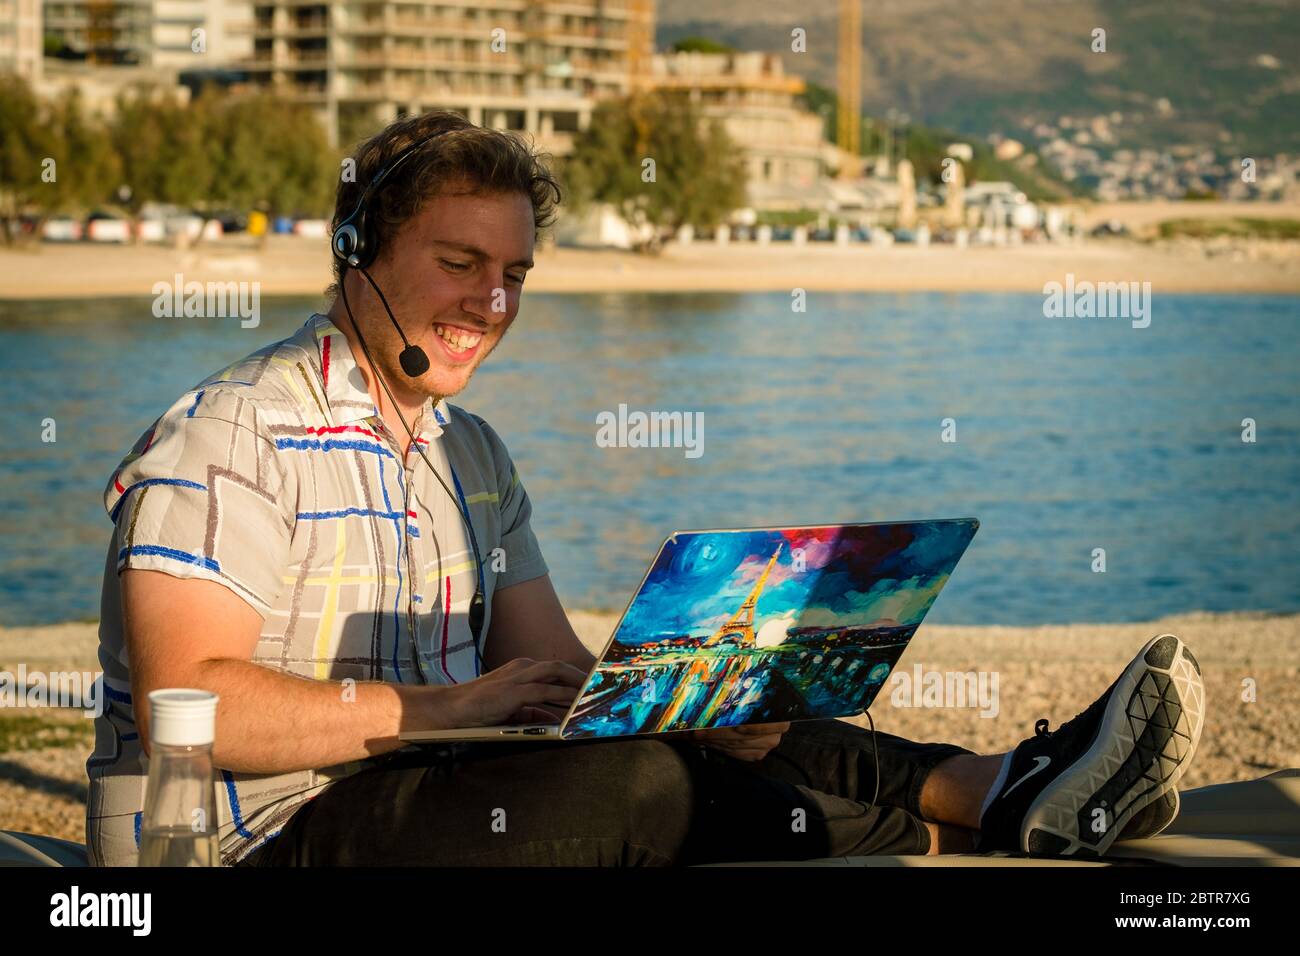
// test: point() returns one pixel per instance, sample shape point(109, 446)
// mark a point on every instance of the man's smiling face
point(453, 275)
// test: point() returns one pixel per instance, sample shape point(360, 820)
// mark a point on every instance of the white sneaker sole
point(1144, 744)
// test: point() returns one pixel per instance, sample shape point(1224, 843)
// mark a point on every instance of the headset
point(356, 246)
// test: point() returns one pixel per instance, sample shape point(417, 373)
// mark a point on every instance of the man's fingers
point(547, 694)
point(553, 672)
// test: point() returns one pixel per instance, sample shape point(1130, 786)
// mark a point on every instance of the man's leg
point(626, 802)
point(605, 803)
point(943, 785)
point(956, 789)
point(1110, 773)
point(766, 810)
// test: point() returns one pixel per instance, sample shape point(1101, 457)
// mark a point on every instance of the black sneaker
point(1073, 791)
point(1151, 819)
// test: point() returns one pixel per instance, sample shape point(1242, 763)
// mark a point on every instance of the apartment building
point(537, 66)
point(20, 38)
point(166, 34)
point(226, 37)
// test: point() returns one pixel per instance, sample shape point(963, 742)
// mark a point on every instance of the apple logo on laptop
point(774, 632)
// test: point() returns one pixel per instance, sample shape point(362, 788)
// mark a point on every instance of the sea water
point(1068, 436)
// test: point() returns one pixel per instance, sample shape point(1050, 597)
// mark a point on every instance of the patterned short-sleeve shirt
point(277, 478)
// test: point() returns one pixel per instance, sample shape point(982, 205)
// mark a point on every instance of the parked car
point(62, 229)
point(107, 227)
point(1110, 228)
point(311, 228)
point(232, 221)
point(150, 230)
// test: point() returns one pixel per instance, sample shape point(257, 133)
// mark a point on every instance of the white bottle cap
point(182, 717)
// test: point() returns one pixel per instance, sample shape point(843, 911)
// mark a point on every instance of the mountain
point(1229, 69)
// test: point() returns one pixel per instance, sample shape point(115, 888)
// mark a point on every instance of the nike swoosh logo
point(1040, 763)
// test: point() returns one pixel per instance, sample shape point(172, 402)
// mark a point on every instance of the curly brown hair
point(483, 160)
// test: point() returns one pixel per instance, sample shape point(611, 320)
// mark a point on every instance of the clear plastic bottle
point(180, 808)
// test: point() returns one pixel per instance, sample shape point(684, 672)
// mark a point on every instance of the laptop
point(753, 626)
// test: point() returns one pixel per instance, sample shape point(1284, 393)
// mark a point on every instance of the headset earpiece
point(351, 240)
point(345, 242)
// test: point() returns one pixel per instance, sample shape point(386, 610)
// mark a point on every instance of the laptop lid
point(764, 625)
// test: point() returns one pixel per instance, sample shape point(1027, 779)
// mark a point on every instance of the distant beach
point(293, 266)
point(1052, 672)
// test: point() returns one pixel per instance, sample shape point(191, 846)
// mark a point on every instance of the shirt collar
point(345, 389)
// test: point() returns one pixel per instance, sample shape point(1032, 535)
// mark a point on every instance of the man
point(281, 540)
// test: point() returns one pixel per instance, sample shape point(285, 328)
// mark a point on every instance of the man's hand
point(522, 691)
point(744, 742)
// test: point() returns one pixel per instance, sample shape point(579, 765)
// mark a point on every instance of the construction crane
point(848, 85)
point(640, 47)
point(100, 30)
point(640, 42)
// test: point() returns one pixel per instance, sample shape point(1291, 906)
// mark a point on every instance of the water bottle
point(180, 806)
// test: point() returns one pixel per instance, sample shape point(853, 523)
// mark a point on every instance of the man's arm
point(529, 621)
point(197, 633)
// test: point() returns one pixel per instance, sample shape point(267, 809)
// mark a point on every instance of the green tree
point(215, 152)
point(659, 163)
point(21, 151)
point(273, 156)
point(159, 150)
point(194, 179)
point(189, 175)
point(88, 169)
point(52, 156)
point(222, 152)
point(24, 148)
point(701, 45)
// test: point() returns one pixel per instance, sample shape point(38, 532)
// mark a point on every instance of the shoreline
point(300, 267)
point(594, 624)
